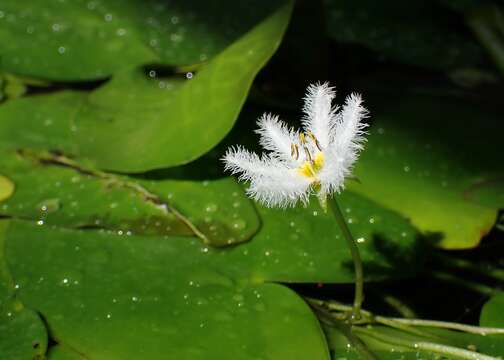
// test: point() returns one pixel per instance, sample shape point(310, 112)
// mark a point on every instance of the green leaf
point(492, 314)
point(48, 39)
point(150, 127)
point(60, 352)
point(6, 188)
point(415, 33)
point(306, 245)
point(423, 163)
point(90, 286)
point(6, 282)
point(22, 334)
point(71, 196)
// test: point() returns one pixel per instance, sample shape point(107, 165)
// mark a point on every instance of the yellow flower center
point(311, 168)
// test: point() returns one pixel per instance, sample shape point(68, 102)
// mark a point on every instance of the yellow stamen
point(302, 138)
point(310, 168)
point(308, 155)
point(294, 151)
point(317, 144)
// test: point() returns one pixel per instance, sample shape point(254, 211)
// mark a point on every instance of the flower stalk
point(354, 250)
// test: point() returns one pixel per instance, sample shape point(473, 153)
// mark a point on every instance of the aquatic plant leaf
point(492, 314)
point(143, 126)
point(68, 195)
point(22, 333)
point(92, 286)
point(48, 39)
point(435, 161)
point(305, 245)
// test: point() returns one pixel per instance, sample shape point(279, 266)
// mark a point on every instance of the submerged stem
point(354, 250)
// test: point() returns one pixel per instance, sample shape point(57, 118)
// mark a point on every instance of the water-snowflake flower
point(298, 164)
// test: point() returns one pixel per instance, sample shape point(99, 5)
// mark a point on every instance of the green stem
point(426, 346)
point(447, 325)
point(354, 250)
point(328, 318)
point(399, 306)
point(369, 317)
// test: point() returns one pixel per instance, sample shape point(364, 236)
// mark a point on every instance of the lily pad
point(73, 196)
point(60, 352)
point(90, 286)
point(133, 132)
point(6, 188)
point(306, 245)
point(22, 334)
point(417, 143)
point(47, 39)
point(6, 282)
point(492, 314)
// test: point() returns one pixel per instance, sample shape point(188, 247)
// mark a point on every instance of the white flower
point(299, 164)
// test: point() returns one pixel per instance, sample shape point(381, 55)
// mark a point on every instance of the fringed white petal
point(272, 181)
point(276, 178)
point(319, 113)
point(348, 133)
point(249, 165)
point(282, 191)
point(276, 136)
point(347, 138)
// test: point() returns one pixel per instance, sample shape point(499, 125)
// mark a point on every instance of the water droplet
point(211, 208)
point(406, 168)
point(361, 240)
point(56, 27)
point(174, 20)
point(189, 75)
point(61, 49)
point(239, 224)
point(108, 17)
point(49, 205)
point(371, 220)
point(176, 37)
point(40, 222)
point(315, 213)
point(121, 32)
